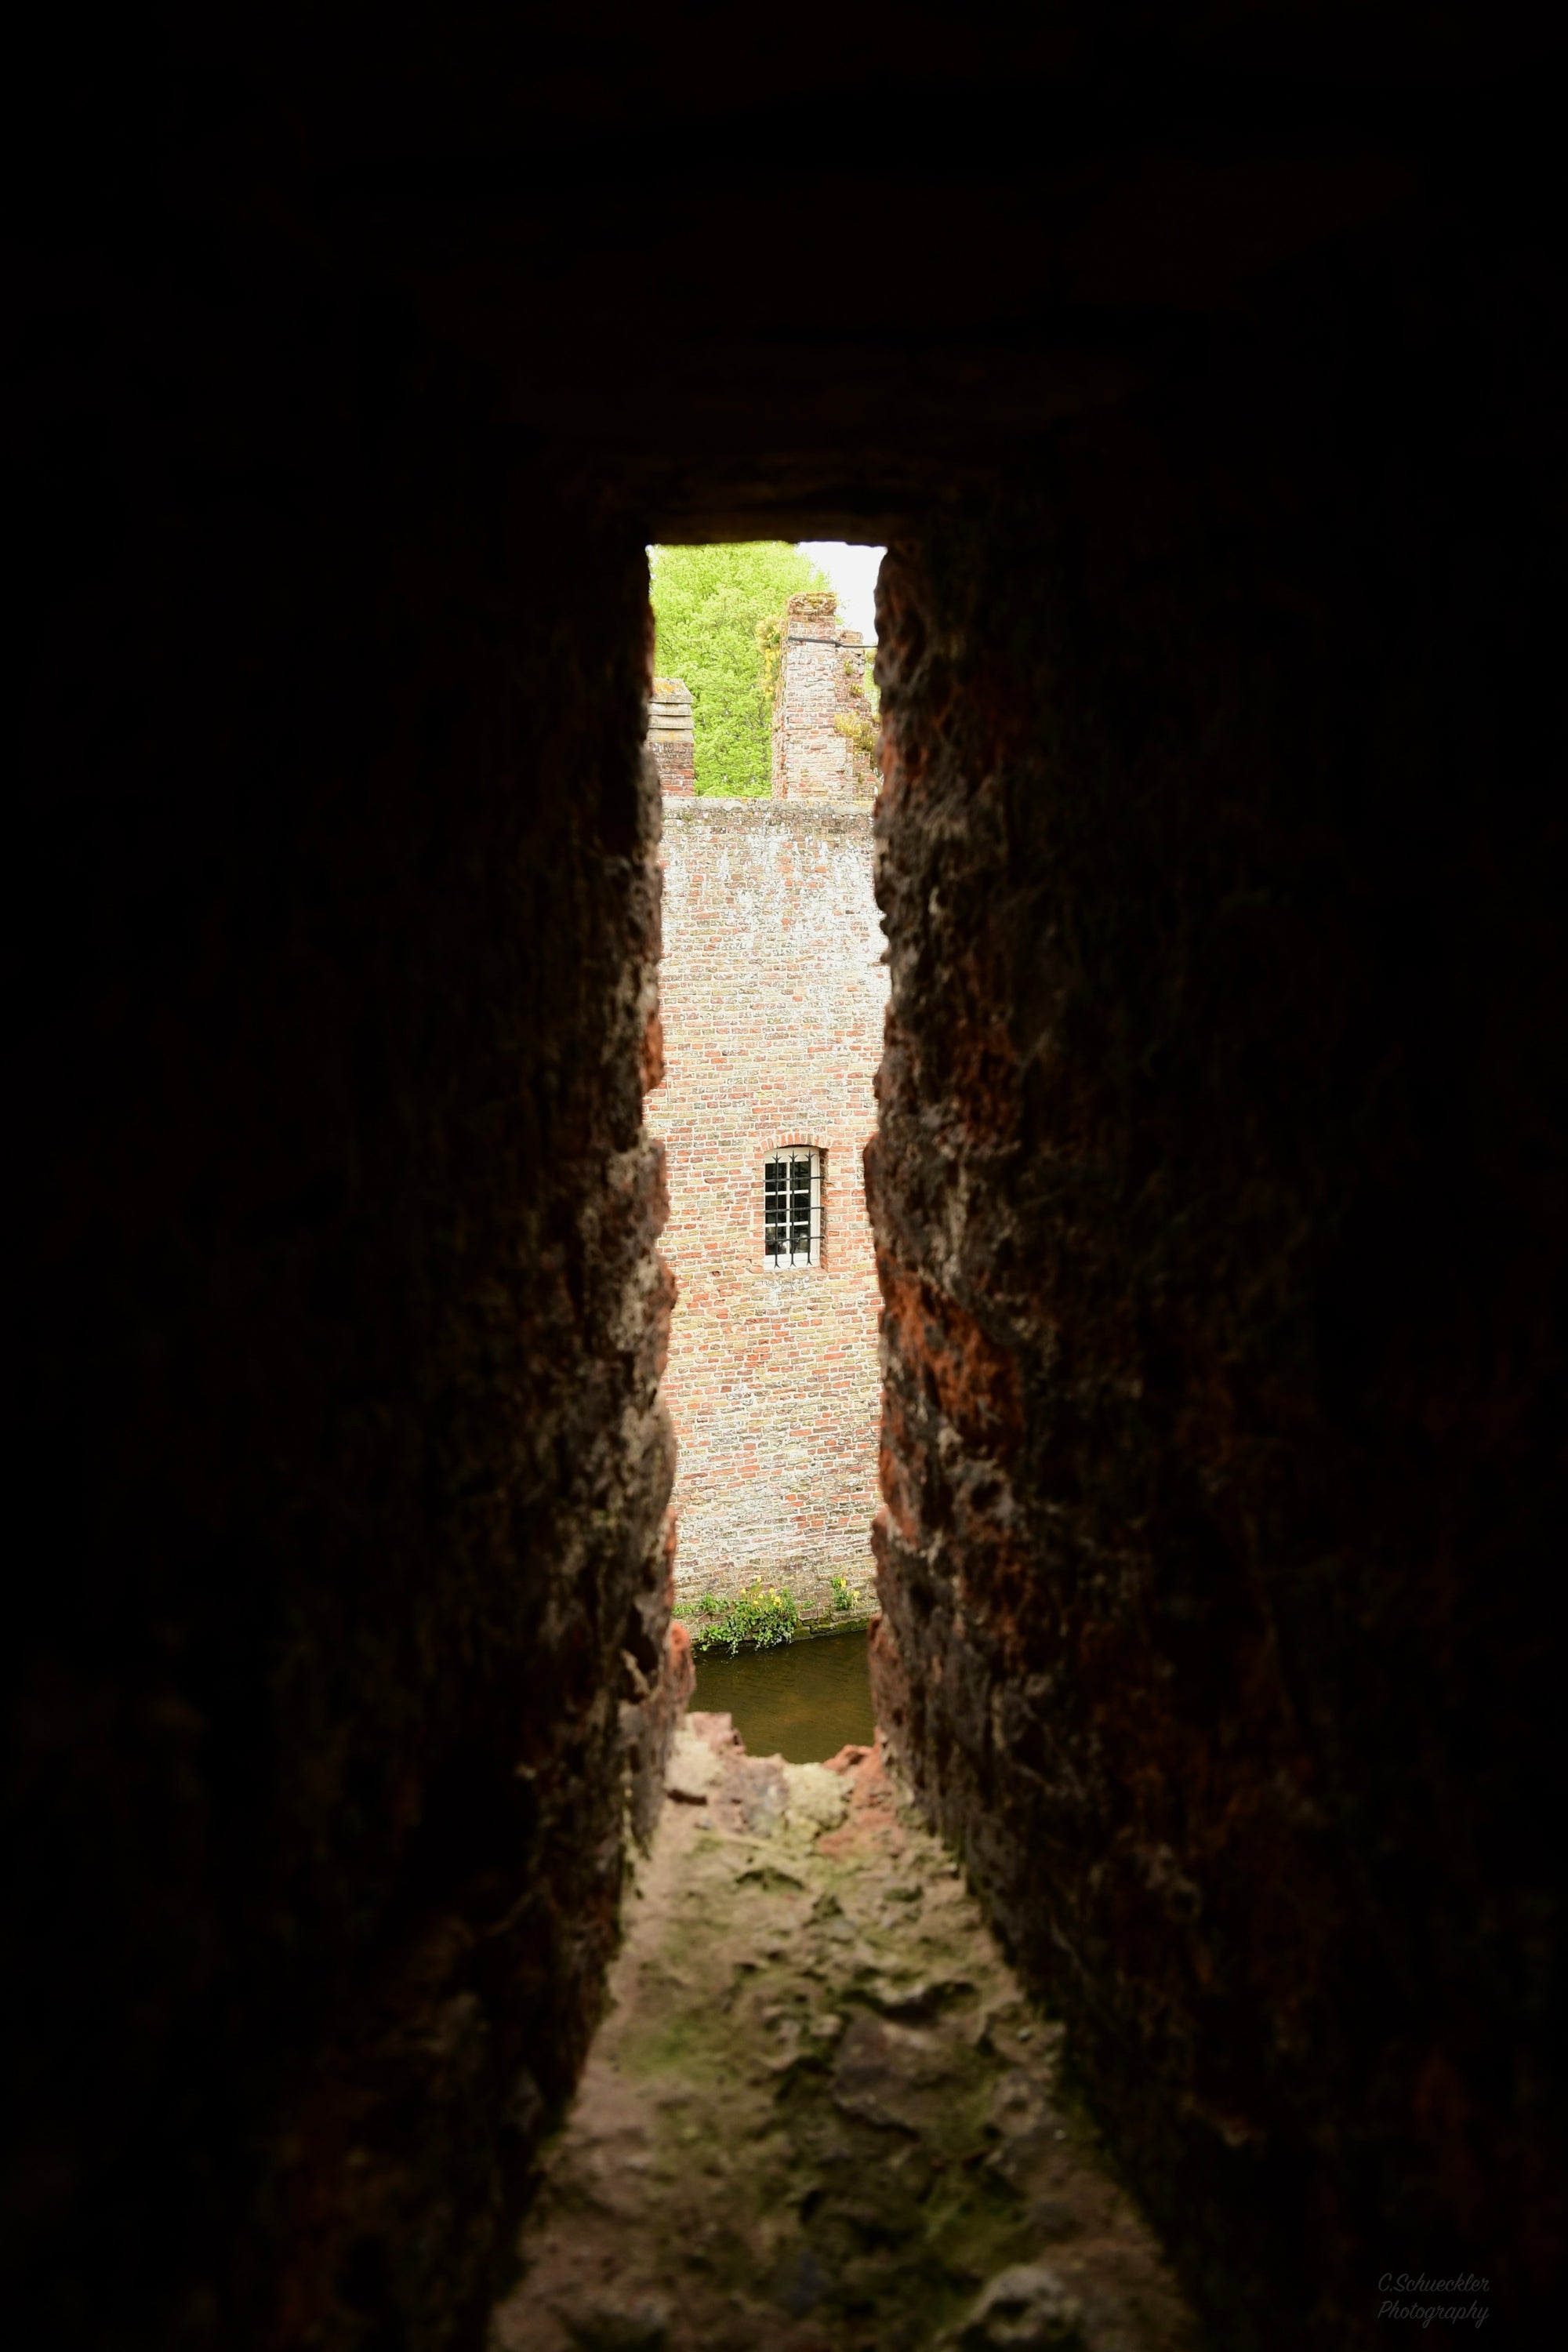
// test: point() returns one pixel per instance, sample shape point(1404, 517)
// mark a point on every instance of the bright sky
point(853, 572)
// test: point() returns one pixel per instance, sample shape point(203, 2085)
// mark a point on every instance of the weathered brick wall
point(342, 1319)
point(820, 707)
point(772, 990)
point(1222, 1423)
point(670, 737)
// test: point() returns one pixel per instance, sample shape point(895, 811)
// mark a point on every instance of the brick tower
point(823, 732)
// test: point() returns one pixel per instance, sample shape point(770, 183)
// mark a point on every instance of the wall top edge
point(764, 816)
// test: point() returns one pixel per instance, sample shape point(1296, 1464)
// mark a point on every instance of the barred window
point(792, 1208)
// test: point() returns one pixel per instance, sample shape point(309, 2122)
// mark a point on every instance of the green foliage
point(767, 1619)
point(718, 611)
point(861, 730)
point(843, 1596)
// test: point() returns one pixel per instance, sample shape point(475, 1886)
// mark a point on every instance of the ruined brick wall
point(1223, 1507)
point(670, 737)
point(822, 725)
point(772, 992)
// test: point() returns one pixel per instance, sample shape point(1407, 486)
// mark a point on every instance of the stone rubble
point(820, 2117)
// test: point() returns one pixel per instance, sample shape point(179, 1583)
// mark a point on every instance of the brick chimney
point(823, 727)
point(670, 736)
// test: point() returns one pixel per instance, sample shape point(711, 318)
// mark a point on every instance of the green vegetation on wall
point(767, 1619)
point(709, 603)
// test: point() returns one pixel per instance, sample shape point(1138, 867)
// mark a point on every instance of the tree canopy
point(707, 603)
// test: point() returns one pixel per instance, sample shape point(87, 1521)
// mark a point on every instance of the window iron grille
point(792, 1208)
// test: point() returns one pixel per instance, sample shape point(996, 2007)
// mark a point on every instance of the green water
point(802, 1703)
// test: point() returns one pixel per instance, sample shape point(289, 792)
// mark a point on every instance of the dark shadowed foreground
point(820, 2117)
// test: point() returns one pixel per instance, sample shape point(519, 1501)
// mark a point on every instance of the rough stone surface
point(1213, 357)
point(820, 2115)
point(343, 1328)
point(1215, 1231)
point(771, 993)
point(1025, 2309)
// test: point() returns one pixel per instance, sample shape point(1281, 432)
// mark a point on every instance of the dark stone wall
point(1204, 373)
point(1217, 1193)
point(345, 1589)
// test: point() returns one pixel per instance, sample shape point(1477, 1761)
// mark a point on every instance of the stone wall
point(822, 713)
point(1209, 374)
point(342, 1328)
point(772, 992)
point(1223, 1509)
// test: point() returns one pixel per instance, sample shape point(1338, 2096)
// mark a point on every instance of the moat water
point(804, 1703)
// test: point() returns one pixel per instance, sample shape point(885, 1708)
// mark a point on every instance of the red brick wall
point(675, 771)
point(669, 735)
point(772, 990)
point(819, 708)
